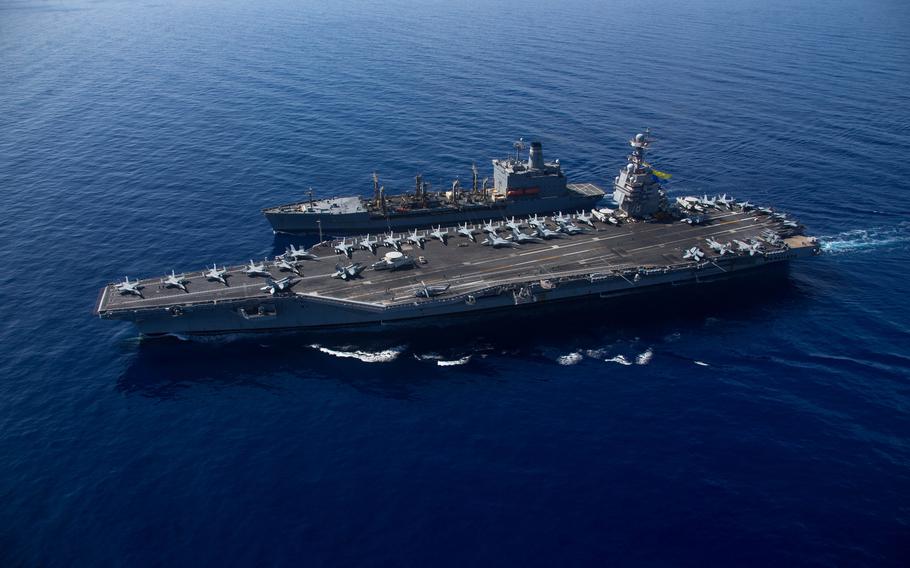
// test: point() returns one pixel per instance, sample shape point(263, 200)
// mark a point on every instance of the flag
point(661, 175)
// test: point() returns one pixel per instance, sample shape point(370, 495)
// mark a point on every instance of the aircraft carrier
point(645, 244)
point(520, 187)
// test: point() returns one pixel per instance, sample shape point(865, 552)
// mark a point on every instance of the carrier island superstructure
point(645, 243)
point(520, 187)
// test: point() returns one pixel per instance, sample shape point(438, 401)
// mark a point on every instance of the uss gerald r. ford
point(645, 244)
point(520, 187)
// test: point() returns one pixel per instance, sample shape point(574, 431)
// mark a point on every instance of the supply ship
point(520, 187)
point(646, 243)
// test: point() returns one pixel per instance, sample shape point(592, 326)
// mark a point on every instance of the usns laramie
point(520, 187)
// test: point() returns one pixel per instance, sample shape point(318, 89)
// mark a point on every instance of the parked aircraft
point(284, 265)
point(348, 272)
point(279, 286)
point(294, 253)
point(440, 235)
point(176, 281)
point(694, 253)
point(523, 238)
point(344, 248)
point(256, 269)
point(496, 241)
point(369, 244)
point(392, 241)
point(426, 291)
point(219, 274)
point(415, 239)
point(127, 287)
point(468, 232)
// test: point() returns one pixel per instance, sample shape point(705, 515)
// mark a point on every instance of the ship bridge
point(516, 178)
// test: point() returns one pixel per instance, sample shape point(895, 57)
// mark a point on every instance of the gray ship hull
point(608, 262)
point(312, 313)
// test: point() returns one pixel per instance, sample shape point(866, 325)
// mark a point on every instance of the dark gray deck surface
point(469, 266)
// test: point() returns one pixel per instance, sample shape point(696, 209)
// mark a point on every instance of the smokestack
point(535, 159)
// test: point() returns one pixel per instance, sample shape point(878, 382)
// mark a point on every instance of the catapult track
point(607, 261)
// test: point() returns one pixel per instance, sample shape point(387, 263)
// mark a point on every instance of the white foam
point(645, 357)
point(701, 363)
point(618, 359)
point(427, 356)
point(571, 359)
point(384, 356)
point(453, 362)
point(595, 353)
point(864, 239)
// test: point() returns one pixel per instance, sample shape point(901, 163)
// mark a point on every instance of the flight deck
point(465, 265)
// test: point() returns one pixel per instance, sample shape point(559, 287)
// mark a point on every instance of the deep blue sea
point(764, 425)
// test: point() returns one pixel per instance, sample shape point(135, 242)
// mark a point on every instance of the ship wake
point(383, 356)
point(861, 240)
point(604, 355)
point(443, 361)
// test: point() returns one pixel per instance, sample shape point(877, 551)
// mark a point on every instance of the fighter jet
point(176, 281)
point(391, 241)
point(770, 237)
point(725, 201)
point(429, 291)
point(490, 228)
point(468, 232)
point(279, 286)
point(695, 219)
point(791, 224)
point(284, 265)
point(766, 210)
point(693, 253)
point(496, 241)
point(514, 225)
point(751, 248)
point(537, 222)
point(545, 233)
point(745, 206)
point(690, 203)
point(586, 219)
point(294, 253)
point(394, 261)
point(440, 235)
point(369, 244)
point(523, 238)
point(348, 272)
point(256, 270)
point(717, 247)
point(706, 201)
point(219, 274)
point(127, 287)
point(570, 228)
point(344, 248)
point(561, 219)
point(415, 239)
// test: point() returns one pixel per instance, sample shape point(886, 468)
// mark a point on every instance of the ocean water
point(768, 424)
